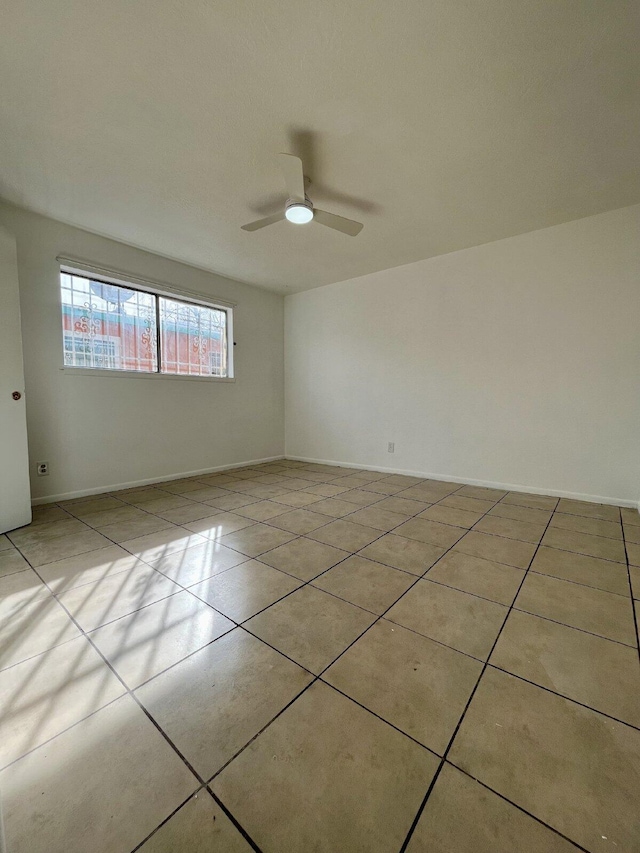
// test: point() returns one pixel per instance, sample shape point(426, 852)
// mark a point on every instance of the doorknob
point(16, 395)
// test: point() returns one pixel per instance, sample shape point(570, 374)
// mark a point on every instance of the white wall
point(516, 362)
point(98, 432)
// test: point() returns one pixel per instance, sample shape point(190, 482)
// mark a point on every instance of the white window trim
point(74, 266)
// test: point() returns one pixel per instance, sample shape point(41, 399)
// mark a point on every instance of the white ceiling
point(440, 124)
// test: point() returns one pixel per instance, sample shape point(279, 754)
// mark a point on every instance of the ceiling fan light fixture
point(299, 213)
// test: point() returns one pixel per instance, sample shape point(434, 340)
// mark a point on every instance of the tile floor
point(297, 657)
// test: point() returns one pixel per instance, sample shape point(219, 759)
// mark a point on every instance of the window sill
point(135, 374)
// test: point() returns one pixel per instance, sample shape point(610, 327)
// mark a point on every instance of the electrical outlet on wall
point(43, 469)
point(391, 448)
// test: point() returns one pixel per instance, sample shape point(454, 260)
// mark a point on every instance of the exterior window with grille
point(110, 326)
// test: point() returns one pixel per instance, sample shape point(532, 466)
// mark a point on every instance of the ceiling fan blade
point(293, 175)
point(338, 223)
point(262, 223)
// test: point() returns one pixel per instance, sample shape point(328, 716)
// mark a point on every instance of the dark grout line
point(470, 699)
point(563, 696)
point(566, 625)
point(151, 719)
point(579, 583)
point(634, 605)
point(518, 807)
point(167, 819)
point(297, 474)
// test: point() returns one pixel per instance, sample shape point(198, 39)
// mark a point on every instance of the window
point(114, 327)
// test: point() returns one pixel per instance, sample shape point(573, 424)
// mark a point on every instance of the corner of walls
point(96, 431)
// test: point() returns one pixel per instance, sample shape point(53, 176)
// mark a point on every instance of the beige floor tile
point(365, 583)
point(383, 487)
point(122, 531)
point(334, 507)
point(257, 539)
point(592, 526)
point(359, 497)
point(346, 535)
point(246, 589)
point(298, 499)
point(462, 816)
point(578, 606)
point(213, 702)
point(580, 666)
point(464, 622)
point(481, 492)
point(207, 493)
point(508, 551)
point(200, 826)
point(168, 502)
point(29, 626)
point(325, 490)
point(327, 776)
point(632, 534)
point(230, 502)
point(379, 519)
point(630, 516)
point(429, 492)
point(358, 479)
point(400, 553)
point(50, 550)
point(88, 568)
point(121, 513)
point(531, 501)
point(187, 513)
point(600, 574)
point(92, 605)
point(153, 546)
point(311, 627)
point(451, 515)
point(569, 766)
point(468, 504)
point(485, 578)
point(267, 492)
point(5, 544)
point(219, 524)
point(198, 563)
point(46, 513)
point(261, 510)
point(141, 496)
point(634, 572)
point(633, 551)
point(583, 543)
point(589, 510)
point(183, 487)
point(49, 794)
point(148, 641)
point(12, 561)
point(94, 506)
point(42, 696)
point(402, 506)
point(85, 499)
point(521, 513)
point(303, 558)
point(404, 480)
point(431, 532)
point(510, 528)
point(18, 589)
point(34, 534)
point(412, 682)
point(299, 521)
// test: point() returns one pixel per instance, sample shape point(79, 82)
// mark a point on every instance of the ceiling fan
point(299, 208)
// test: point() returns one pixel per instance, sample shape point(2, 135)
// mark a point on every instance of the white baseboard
point(83, 493)
point(490, 484)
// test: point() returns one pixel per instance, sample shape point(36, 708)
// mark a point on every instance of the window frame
point(157, 290)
